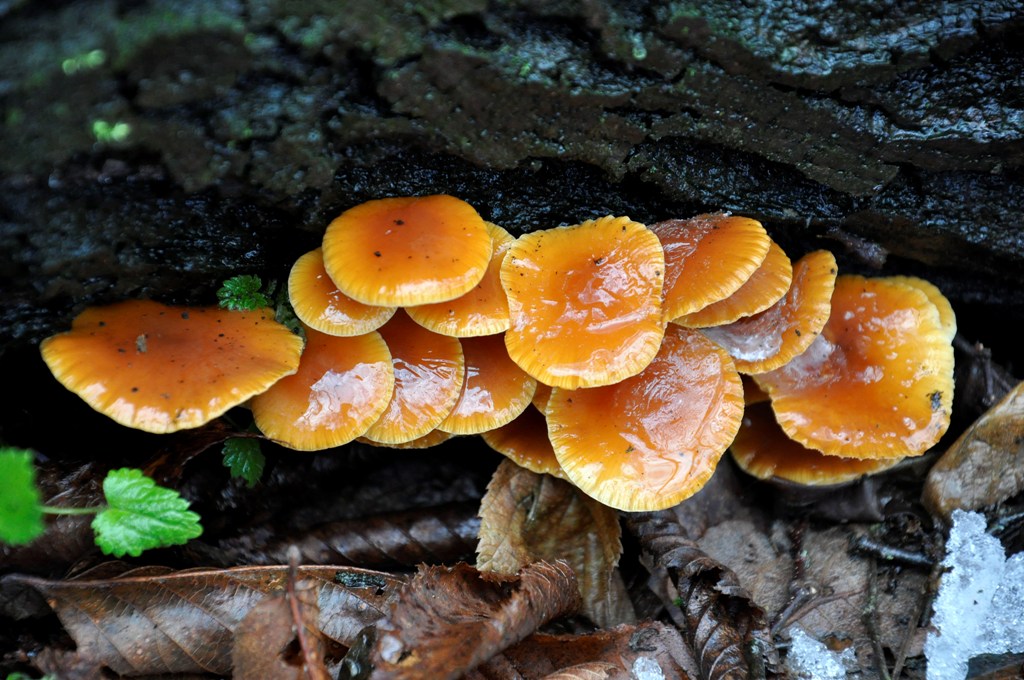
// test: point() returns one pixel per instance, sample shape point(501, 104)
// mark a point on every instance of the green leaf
point(141, 515)
point(242, 293)
point(244, 458)
point(21, 509)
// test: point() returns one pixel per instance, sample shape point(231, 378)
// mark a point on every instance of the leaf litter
point(739, 575)
point(153, 620)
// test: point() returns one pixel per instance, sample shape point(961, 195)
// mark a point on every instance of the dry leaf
point(825, 591)
point(526, 517)
point(448, 620)
point(985, 466)
point(594, 670)
point(262, 637)
point(725, 628)
point(405, 539)
point(647, 649)
point(154, 620)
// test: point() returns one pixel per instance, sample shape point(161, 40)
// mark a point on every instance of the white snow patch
point(980, 605)
point(809, 659)
point(647, 669)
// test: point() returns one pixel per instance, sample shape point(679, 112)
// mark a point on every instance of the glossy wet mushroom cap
point(763, 450)
point(429, 371)
point(708, 258)
point(341, 388)
point(396, 252)
point(481, 311)
point(652, 440)
point(585, 302)
point(320, 305)
point(763, 342)
point(494, 392)
point(877, 382)
point(764, 288)
point(160, 369)
point(525, 442)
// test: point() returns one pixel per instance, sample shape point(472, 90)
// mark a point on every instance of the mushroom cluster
point(608, 353)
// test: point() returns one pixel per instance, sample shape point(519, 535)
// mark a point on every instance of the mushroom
point(541, 396)
point(161, 369)
point(584, 302)
point(763, 342)
point(429, 440)
point(494, 391)
point(652, 440)
point(877, 382)
point(407, 251)
point(481, 311)
point(763, 450)
point(341, 388)
point(708, 258)
point(946, 315)
point(429, 371)
point(525, 442)
point(764, 288)
point(320, 305)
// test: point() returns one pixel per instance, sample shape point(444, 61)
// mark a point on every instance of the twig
point(912, 623)
point(888, 553)
point(871, 619)
point(312, 663)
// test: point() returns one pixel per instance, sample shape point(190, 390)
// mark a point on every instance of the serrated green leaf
point(244, 458)
point(21, 510)
point(242, 293)
point(141, 515)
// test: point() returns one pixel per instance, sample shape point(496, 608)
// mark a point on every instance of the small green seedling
point(243, 293)
point(138, 515)
point(243, 457)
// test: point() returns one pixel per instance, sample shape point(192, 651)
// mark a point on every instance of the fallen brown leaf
point(448, 620)
point(155, 620)
point(727, 631)
point(985, 466)
point(392, 540)
point(526, 517)
point(800, 573)
point(646, 649)
point(594, 670)
point(261, 639)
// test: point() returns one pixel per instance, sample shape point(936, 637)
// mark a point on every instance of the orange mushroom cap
point(652, 440)
point(946, 315)
point(707, 259)
point(481, 311)
point(429, 371)
point(341, 388)
point(764, 288)
point(525, 442)
point(877, 382)
point(494, 392)
point(770, 339)
point(162, 369)
point(429, 440)
point(585, 302)
point(541, 396)
point(763, 450)
point(320, 305)
point(407, 251)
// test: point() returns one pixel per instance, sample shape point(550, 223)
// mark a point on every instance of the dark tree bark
point(153, 148)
